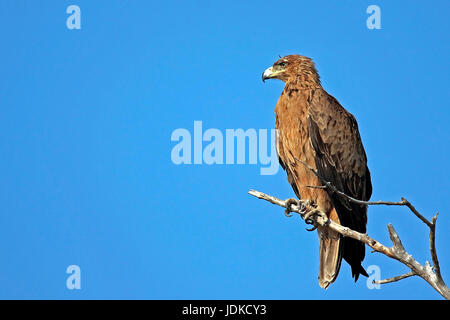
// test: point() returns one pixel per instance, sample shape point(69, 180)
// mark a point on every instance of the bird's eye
point(282, 64)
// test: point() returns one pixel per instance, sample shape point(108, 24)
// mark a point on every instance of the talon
point(308, 220)
point(307, 216)
point(289, 203)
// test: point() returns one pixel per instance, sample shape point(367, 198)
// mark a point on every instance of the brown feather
point(330, 253)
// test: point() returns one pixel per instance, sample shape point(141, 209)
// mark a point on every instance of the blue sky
point(86, 119)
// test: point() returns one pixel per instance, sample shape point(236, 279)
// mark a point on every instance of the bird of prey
point(313, 127)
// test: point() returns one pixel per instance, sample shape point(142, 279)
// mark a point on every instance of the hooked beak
point(267, 74)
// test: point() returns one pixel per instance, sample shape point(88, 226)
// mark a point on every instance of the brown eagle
point(312, 126)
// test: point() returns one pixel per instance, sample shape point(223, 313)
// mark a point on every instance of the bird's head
point(292, 67)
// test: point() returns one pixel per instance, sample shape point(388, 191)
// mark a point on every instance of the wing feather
point(341, 160)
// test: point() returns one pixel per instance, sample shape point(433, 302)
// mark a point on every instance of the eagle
point(314, 128)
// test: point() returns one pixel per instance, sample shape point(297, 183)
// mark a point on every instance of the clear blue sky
point(85, 124)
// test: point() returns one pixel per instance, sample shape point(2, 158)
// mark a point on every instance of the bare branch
point(394, 279)
point(397, 243)
point(421, 217)
point(317, 187)
point(397, 251)
point(437, 268)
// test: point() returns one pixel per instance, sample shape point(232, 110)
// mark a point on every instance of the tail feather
point(357, 270)
point(331, 250)
point(334, 248)
point(330, 257)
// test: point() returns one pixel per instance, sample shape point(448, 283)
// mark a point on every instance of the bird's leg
point(308, 220)
point(289, 202)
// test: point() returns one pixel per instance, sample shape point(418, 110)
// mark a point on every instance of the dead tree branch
point(394, 279)
point(432, 275)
